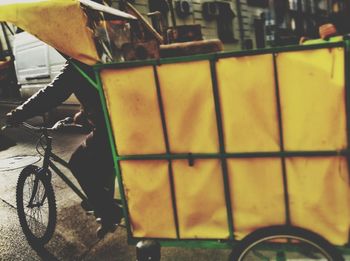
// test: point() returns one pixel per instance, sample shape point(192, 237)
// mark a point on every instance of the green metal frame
point(281, 139)
point(222, 148)
point(347, 101)
point(216, 56)
point(167, 147)
point(222, 155)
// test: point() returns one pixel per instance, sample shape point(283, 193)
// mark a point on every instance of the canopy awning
point(59, 23)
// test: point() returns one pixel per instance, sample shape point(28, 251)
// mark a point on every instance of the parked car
point(36, 63)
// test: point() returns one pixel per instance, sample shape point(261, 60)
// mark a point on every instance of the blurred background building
point(248, 24)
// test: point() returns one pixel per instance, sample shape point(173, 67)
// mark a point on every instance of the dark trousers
point(92, 165)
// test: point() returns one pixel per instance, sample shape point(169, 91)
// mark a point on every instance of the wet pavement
point(13, 244)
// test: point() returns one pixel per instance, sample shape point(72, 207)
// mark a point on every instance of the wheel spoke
point(37, 208)
point(280, 243)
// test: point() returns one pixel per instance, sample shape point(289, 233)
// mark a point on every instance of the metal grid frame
point(222, 155)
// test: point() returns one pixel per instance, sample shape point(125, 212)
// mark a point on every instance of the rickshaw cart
point(209, 148)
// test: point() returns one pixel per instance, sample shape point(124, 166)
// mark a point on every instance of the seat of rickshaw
point(190, 48)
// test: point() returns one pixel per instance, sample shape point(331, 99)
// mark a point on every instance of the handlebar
point(61, 124)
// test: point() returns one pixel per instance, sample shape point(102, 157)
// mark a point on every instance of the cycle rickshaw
point(246, 150)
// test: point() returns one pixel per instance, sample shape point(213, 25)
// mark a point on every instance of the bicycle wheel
point(36, 205)
point(282, 243)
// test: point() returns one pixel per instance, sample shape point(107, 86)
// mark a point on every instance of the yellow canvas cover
point(146, 185)
point(201, 205)
point(311, 89)
point(60, 23)
point(248, 102)
point(312, 93)
point(256, 194)
point(249, 109)
point(131, 98)
point(319, 196)
point(189, 107)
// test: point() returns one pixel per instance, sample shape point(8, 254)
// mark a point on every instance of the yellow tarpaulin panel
point(257, 195)
point(200, 199)
point(189, 107)
point(59, 23)
point(313, 114)
point(134, 111)
point(147, 190)
point(319, 196)
point(312, 95)
point(312, 90)
point(248, 103)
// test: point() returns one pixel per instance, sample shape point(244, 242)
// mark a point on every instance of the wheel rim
point(36, 214)
point(283, 248)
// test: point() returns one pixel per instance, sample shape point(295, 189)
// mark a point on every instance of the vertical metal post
point(347, 90)
point(222, 148)
point(167, 146)
point(280, 128)
point(347, 101)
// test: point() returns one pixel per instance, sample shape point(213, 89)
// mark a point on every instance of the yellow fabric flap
point(59, 23)
point(147, 190)
point(131, 98)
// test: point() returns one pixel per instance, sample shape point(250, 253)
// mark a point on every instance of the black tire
point(298, 244)
point(38, 222)
point(148, 250)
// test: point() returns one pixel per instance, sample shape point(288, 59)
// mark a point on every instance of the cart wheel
point(284, 243)
point(148, 250)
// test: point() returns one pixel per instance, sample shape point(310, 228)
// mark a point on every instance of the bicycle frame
point(49, 157)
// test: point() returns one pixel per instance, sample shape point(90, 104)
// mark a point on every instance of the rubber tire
point(148, 250)
point(260, 234)
point(32, 239)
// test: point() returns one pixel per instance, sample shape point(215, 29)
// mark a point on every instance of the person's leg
point(92, 165)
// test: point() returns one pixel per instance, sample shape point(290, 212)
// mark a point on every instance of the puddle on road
point(18, 162)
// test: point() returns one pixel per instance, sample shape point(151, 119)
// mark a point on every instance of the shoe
point(109, 224)
point(89, 209)
point(86, 206)
point(104, 229)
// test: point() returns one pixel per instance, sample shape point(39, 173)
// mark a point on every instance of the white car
point(36, 63)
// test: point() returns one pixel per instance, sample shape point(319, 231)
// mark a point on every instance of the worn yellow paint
point(59, 23)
